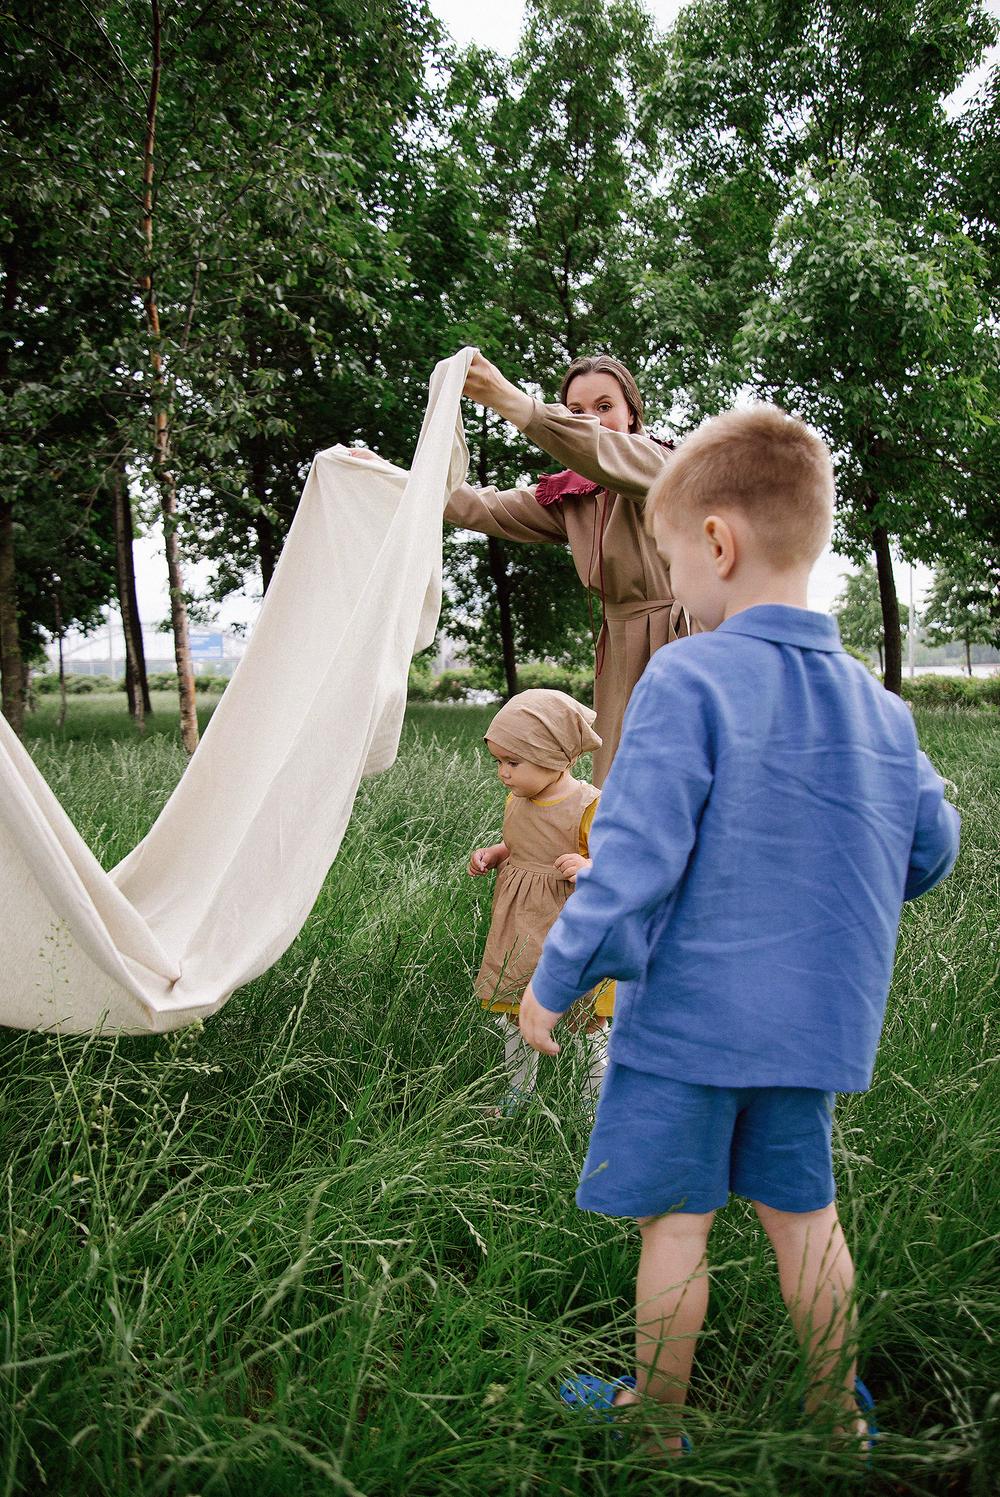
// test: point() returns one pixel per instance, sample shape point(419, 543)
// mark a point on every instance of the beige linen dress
point(529, 893)
point(613, 554)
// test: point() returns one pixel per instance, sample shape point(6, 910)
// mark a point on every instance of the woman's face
point(600, 395)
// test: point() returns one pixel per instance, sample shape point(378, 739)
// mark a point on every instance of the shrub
point(47, 683)
point(952, 691)
point(455, 685)
point(464, 683)
point(420, 682)
point(542, 673)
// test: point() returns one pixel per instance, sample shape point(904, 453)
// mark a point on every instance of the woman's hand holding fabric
point(485, 384)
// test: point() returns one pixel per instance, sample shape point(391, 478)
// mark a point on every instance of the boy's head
point(748, 496)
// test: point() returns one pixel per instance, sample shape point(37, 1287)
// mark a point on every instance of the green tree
point(59, 440)
point(879, 335)
point(959, 607)
point(800, 190)
point(858, 611)
point(193, 222)
point(561, 158)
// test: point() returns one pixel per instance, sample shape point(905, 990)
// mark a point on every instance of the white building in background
point(215, 650)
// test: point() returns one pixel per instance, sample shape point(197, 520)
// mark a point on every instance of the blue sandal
point(866, 1408)
point(595, 1397)
point(515, 1099)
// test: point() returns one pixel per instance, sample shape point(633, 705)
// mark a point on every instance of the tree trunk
point(161, 441)
point(501, 582)
point(10, 646)
point(11, 676)
point(262, 525)
point(265, 549)
point(136, 683)
point(968, 656)
point(60, 635)
point(178, 617)
point(497, 559)
point(893, 676)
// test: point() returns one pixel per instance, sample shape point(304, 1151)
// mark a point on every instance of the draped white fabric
point(227, 875)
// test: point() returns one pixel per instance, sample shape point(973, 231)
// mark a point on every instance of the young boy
point(767, 814)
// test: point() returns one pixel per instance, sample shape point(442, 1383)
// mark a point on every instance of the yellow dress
point(529, 894)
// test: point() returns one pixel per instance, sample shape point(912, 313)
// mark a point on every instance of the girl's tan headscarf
point(544, 727)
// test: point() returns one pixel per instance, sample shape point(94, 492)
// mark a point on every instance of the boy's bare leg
point(817, 1285)
point(671, 1295)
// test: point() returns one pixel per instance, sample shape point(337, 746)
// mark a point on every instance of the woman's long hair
point(603, 363)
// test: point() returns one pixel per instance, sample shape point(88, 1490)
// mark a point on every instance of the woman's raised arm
point(625, 462)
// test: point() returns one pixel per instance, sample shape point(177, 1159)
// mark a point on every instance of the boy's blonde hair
point(762, 462)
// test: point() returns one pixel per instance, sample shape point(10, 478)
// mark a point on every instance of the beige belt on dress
point(532, 867)
point(626, 613)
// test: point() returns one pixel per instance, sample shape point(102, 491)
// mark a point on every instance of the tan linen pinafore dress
point(613, 554)
point(529, 893)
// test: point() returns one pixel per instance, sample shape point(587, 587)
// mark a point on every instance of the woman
point(594, 506)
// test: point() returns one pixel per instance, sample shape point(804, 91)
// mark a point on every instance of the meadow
point(290, 1251)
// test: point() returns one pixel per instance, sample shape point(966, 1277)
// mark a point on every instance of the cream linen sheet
point(227, 875)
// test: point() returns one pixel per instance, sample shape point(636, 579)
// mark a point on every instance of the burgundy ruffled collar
point(553, 488)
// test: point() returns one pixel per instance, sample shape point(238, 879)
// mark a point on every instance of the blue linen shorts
point(662, 1145)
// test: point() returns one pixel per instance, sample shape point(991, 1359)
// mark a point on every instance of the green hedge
point(952, 691)
point(540, 673)
point(167, 681)
point(48, 683)
point(458, 685)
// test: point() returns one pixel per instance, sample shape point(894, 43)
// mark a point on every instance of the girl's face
point(519, 777)
point(600, 395)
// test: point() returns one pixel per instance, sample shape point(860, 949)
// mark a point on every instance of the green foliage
point(342, 199)
point(962, 605)
point(820, 244)
point(543, 673)
point(45, 683)
point(878, 334)
point(858, 611)
point(952, 691)
point(280, 128)
point(456, 685)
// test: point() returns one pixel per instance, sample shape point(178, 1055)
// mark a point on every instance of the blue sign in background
point(206, 646)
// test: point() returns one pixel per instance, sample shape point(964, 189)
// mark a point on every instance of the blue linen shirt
point(766, 814)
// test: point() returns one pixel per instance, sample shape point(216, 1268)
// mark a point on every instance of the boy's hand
point(570, 863)
point(361, 452)
point(537, 1023)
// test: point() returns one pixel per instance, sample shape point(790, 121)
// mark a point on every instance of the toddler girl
point(535, 739)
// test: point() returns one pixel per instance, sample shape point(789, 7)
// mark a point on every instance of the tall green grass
point(291, 1252)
